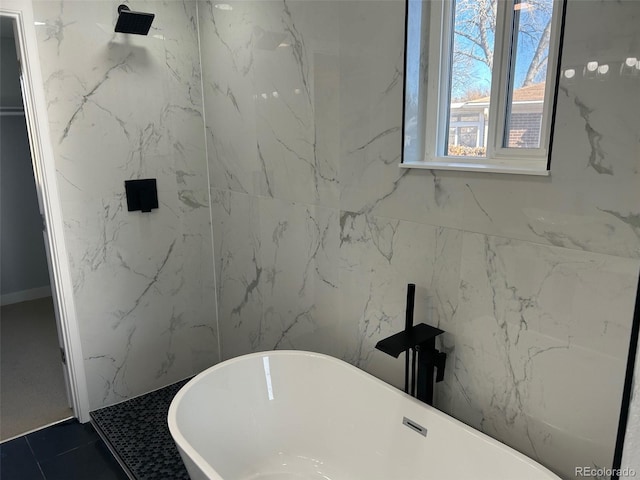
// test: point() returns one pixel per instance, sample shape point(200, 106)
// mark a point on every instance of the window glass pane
point(469, 118)
point(452, 136)
point(415, 83)
point(474, 23)
point(469, 136)
point(528, 71)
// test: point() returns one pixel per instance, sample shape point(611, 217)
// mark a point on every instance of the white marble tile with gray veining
point(239, 270)
point(298, 250)
point(275, 94)
point(124, 107)
point(536, 325)
point(294, 98)
point(277, 285)
point(157, 296)
point(226, 42)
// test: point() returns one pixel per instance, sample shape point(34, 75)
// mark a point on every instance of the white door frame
point(47, 188)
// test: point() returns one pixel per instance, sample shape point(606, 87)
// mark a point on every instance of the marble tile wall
point(124, 107)
point(317, 231)
point(540, 337)
point(269, 72)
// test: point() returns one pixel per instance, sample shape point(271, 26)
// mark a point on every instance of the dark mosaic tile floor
point(65, 451)
point(137, 431)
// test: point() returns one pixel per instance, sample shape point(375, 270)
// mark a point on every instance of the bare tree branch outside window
point(474, 37)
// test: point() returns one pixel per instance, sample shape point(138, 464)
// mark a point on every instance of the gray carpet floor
point(32, 389)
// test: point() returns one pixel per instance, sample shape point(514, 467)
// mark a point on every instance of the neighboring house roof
point(530, 94)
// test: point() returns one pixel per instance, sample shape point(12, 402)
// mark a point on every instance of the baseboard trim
point(25, 295)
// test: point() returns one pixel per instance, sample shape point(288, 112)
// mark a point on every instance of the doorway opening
point(41, 360)
point(35, 390)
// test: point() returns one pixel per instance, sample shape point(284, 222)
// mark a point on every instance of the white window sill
point(477, 167)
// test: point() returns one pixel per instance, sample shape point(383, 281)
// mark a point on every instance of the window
point(480, 84)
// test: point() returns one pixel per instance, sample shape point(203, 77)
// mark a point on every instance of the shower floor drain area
point(138, 434)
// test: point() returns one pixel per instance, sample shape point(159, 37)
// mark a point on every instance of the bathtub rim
point(182, 443)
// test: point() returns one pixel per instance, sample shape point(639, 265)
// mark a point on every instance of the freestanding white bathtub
point(299, 415)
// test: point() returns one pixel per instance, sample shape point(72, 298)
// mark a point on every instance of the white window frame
point(499, 159)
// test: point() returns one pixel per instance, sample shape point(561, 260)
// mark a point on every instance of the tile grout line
point(33, 454)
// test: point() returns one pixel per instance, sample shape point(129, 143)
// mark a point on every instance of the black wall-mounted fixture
point(137, 23)
point(420, 341)
point(141, 194)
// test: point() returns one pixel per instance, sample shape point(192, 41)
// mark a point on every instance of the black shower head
point(138, 23)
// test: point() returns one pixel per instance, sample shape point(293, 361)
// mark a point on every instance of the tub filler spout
point(420, 341)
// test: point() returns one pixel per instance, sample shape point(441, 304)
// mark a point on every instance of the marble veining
point(123, 107)
point(273, 109)
point(87, 97)
point(531, 278)
point(597, 155)
point(279, 258)
point(536, 325)
point(294, 178)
